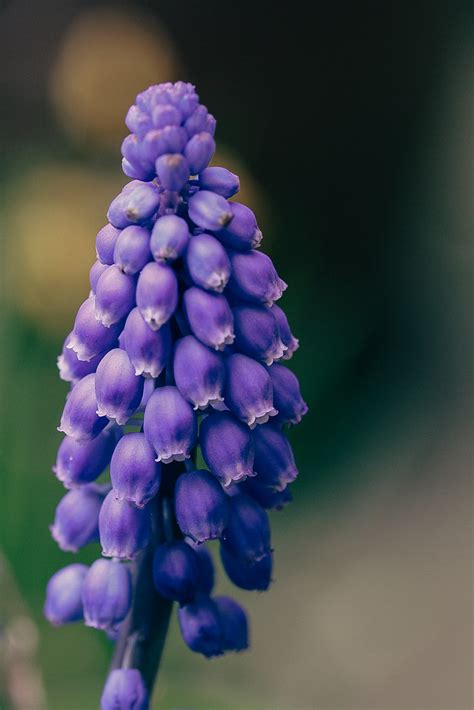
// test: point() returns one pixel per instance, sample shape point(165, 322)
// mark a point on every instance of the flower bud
point(134, 473)
point(76, 521)
point(291, 343)
point(164, 141)
point(132, 249)
point(147, 349)
point(137, 121)
point(219, 180)
point(136, 171)
point(242, 233)
point(234, 624)
point(202, 507)
point(199, 372)
point(134, 206)
point(248, 390)
point(79, 419)
point(71, 369)
point(257, 333)
point(266, 496)
point(286, 395)
point(207, 263)
point(169, 238)
point(173, 171)
point(199, 151)
point(201, 627)
point(197, 121)
point(106, 594)
point(136, 165)
point(226, 447)
point(206, 567)
point(89, 337)
point(124, 529)
point(157, 294)
point(274, 460)
point(124, 690)
point(170, 425)
point(255, 576)
point(115, 296)
point(176, 571)
point(247, 535)
point(254, 278)
point(166, 115)
point(105, 243)
point(118, 389)
point(80, 462)
point(210, 317)
point(209, 210)
point(63, 603)
point(95, 272)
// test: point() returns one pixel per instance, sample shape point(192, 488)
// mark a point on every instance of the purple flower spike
point(199, 373)
point(115, 296)
point(209, 210)
point(286, 395)
point(96, 271)
point(118, 389)
point(226, 447)
point(274, 460)
point(124, 690)
point(169, 238)
point(202, 507)
point(132, 249)
point(242, 233)
point(254, 278)
point(71, 369)
point(255, 576)
point(134, 205)
point(176, 571)
point(157, 294)
point(76, 521)
point(290, 342)
point(106, 594)
point(199, 151)
point(207, 263)
point(80, 462)
point(64, 595)
point(79, 419)
point(201, 628)
point(124, 529)
point(89, 337)
point(219, 180)
point(173, 171)
point(134, 473)
point(147, 349)
point(170, 425)
point(257, 333)
point(247, 535)
point(234, 624)
point(210, 317)
point(266, 496)
point(248, 390)
point(105, 244)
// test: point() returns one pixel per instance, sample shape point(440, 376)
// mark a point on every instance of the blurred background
point(350, 125)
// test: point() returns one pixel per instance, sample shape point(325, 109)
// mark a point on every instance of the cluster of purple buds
point(178, 346)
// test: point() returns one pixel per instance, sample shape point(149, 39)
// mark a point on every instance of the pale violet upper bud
point(176, 571)
point(252, 576)
point(288, 339)
point(254, 278)
point(173, 171)
point(118, 389)
point(115, 296)
point(76, 520)
point(124, 529)
point(63, 603)
point(201, 506)
point(134, 473)
point(79, 462)
point(248, 390)
point(95, 272)
point(207, 263)
point(79, 419)
point(257, 333)
point(199, 373)
point(134, 206)
point(286, 395)
point(125, 690)
point(71, 369)
point(201, 627)
point(170, 425)
point(164, 141)
point(226, 447)
point(210, 210)
point(247, 536)
point(198, 121)
point(106, 594)
point(210, 317)
point(166, 115)
point(89, 337)
point(137, 121)
point(147, 349)
point(105, 244)
point(274, 460)
point(169, 238)
point(136, 165)
point(234, 624)
point(132, 249)
point(242, 232)
point(157, 294)
point(219, 180)
point(199, 151)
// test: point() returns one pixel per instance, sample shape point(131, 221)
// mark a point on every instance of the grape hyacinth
point(178, 347)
